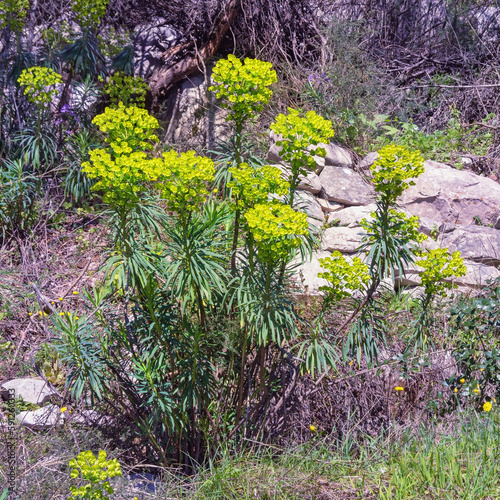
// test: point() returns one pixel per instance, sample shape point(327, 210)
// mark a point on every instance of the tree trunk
point(166, 77)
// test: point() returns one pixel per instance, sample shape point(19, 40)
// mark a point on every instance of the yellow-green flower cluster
point(89, 13)
point(96, 471)
point(243, 86)
point(188, 185)
point(252, 185)
point(276, 229)
point(124, 167)
point(343, 277)
point(127, 89)
point(122, 176)
point(127, 128)
point(393, 167)
point(38, 83)
point(405, 228)
point(13, 13)
point(298, 133)
point(438, 265)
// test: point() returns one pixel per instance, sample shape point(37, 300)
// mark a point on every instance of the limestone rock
point(351, 216)
point(306, 202)
point(329, 206)
point(151, 41)
point(368, 160)
point(344, 185)
point(32, 390)
point(477, 243)
point(337, 156)
point(307, 273)
point(343, 239)
point(446, 195)
point(41, 418)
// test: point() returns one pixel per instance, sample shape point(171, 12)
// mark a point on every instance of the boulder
point(343, 239)
point(344, 185)
point(446, 195)
point(32, 390)
point(368, 160)
point(307, 273)
point(477, 243)
point(151, 41)
point(351, 216)
point(310, 182)
point(47, 416)
point(307, 202)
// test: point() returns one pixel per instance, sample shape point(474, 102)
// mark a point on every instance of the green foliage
point(253, 184)
point(394, 166)
point(84, 56)
point(18, 194)
point(344, 277)
point(13, 14)
point(124, 168)
point(186, 183)
point(276, 229)
point(439, 265)
point(37, 82)
point(127, 89)
point(96, 471)
point(89, 13)
point(243, 86)
point(296, 136)
point(444, 145)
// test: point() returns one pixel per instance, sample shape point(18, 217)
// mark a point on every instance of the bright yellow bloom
point(455, 390)
point(312, 428)
point(487, 406)
point(63, 409)
point(75, 292)
point(399, 388)
point(462, 381)
point(61, 298)
point(477, 391)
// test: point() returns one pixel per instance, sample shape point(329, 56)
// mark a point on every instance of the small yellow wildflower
point(52, 302)
point(462, 381)
point(399, 388)
point(61, 313)
point(477, 391)
point(29, 314)
point(312, 428)
point(77, 317)
point(61, 298)
point(455, 390)
point(63, 409)
point(487, 406)
point(75, 292)
point(351, 362)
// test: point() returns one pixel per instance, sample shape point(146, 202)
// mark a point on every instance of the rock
point(343, 239)
point(329, 206)
point(306, 202)
point(32, 390)
point(368, 160)
point(477, 243)
point(192, 115)
point(446, 195)
point(337, 156)
point(343, 185)
point(273, 155)
point(144, 482)
point(151, 41)
point(496, 223)
point(307, 273)
point(351, 216)
point(47, 416)
point(309, 183)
